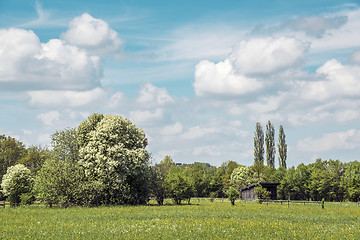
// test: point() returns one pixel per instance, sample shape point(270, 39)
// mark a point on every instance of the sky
point(196, 76)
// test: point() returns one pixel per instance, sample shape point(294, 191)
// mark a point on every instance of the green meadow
point(200, 220)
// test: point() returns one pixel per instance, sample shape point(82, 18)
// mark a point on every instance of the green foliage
point(86, 127)
point(270, 145)
point(351, 181)
point(65, 144)
point(15, 182)
point(282, 148)
point(60, 182)
point(258, 145)
point(241, 177)
point(232, 194)
point(35, 157)
point(262, 193)
point(178, 186)
point(158, 173)
point(200, 175)
point(11, 151)
point(116, 163)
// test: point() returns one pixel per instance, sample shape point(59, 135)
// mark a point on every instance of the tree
point(262, 193)
point(60, 182)
point(116, 163)
point(15, 182)
point(11, 151)
point(259, 145)
point(232, 194)
point(178, 186)
point(61, 179)
point(240, 177)
point(351, 181)
point(65, 144)
point(158, 173)
point(86, 127)
point(270, 145)
point(35, 158)
point(282, 148)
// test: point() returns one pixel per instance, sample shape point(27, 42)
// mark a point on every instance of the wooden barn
point(248, 193)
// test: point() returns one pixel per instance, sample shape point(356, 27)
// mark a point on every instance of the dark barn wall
point(248, 193)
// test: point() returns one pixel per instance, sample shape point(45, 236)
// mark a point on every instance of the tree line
point(104, 161)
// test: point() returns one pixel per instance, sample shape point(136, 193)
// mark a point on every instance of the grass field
point(200, 220)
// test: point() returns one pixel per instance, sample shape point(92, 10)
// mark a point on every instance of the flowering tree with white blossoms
point(116, 163)
point(15, 182)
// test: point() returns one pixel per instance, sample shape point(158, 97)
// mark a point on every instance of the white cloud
point(198, 132)
point(152, 96)
point(340, 81)
point(94, 35)
point(65, 98)
point(25, 63)
point(49, 118)
point(173, 129)
point(267, 55)
point(241, 73)
point(211, 78)
point(146, 117)
point(331, 141)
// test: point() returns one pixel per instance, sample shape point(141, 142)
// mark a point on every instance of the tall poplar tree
point(270, 145)
point(259, 145)
point(282, 148)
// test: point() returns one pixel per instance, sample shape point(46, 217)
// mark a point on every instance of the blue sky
point(196, 76)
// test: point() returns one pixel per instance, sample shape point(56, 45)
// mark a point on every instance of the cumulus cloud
point(153, 96)
point(267, 55)
point(340, 81)
point(25, 63)
point(337, 140)
point(94, 35)
point(219, 78)
point(65, 98)
point(249, 60)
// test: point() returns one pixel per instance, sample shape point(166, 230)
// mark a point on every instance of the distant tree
point(17, 181)
point(240, 177)
point(158, 174)
point(259, 145)
point(11, 151)
point(65, 144)
point(262, 193)
point(116, 163)
point(228, 168)
point(178, 185)
point(200, 175)
point(282, 148)
point(232, 194)
point(35, 157)
point(270, 145)
point(351, 181)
